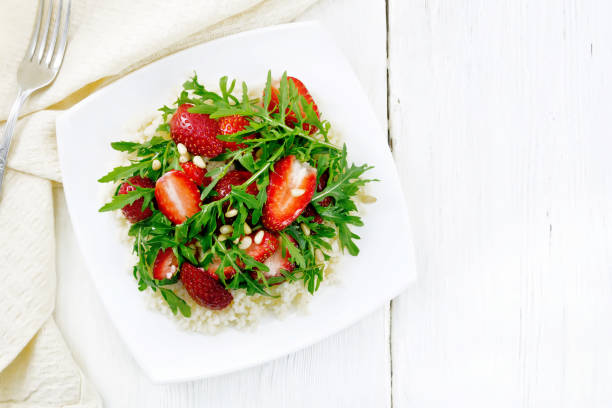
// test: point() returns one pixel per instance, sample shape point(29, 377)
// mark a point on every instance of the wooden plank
point(500, 113)
point(350, 369)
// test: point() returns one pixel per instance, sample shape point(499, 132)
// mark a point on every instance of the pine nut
point(296, 192)
point(156, 165)
point(305, 229)
point(367, 199)
point(237, 240)
point(247, 229)
point(259, 237)
point(181, 149)
point(245, 243)
point(183, 159)
point(258, 153)
point(231, 213)
point(199, 161)
point(226, 229)
point(319, 256)
point(222, 237)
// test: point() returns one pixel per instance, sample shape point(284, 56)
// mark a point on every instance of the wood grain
point(500, 114)
point(350, 369)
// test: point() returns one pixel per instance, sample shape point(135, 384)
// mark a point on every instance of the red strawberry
point(291, 119)
point(262, 251)
point(204, 289)
point(292, 185)
point(214, 265)
point(277, 263)
point(310, 211)
point(234, 178)
point(229, 125)
point(165, 265)
point(178, 198)
point(326, 202)
point(196, 174)
point(133, 212)
point(197, 131)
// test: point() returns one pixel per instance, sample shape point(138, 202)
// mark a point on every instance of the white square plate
point(382, 270)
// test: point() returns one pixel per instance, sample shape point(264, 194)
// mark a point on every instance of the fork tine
point(53, 39)
point(45, 32)
point(35, 31)
point(59, 54)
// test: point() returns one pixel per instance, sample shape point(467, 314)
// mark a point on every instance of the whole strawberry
point(133, 212)
point(229, 125)
point(197, 131)
point(203, 289)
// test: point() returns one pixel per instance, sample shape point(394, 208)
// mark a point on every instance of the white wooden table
point(500, 116)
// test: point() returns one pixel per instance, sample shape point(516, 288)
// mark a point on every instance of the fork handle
point(7, 136)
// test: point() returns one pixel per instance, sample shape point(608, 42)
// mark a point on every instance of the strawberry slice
point(165, 265)
point(203, 289)
point(214, 265)
point(234, 178)
point(228, 125)
point(178, 198)
point(326, 202)
point(262, 251)
point(133, 212)
point(197, 131)
point(291, 119)
point(277, 263)
point(196, 174)
point(292, 185)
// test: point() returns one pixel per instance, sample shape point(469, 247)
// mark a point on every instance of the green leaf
point(175, 302)
point(125, 146)
point(123, 172)
point(121, 200)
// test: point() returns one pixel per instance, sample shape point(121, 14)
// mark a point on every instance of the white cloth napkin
point(107, 39)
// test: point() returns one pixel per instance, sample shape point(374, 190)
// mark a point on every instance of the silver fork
point(40, 64)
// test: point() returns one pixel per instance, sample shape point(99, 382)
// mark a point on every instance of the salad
point(236, 194)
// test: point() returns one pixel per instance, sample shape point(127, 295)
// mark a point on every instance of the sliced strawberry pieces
point(203, 289)
point(229, 125)
point(228, 271)
point(234, 178)
point(292, 185)
point(196, 174)
point(291, 118)
point(133, 212)
point(326, 202)
point(178, 198)
point(165, 265)
point(262, 251)
point(277, 263)
point(197, 131)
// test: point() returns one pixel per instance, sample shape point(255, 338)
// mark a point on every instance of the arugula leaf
point(175, 302)
point(121, 200)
